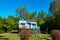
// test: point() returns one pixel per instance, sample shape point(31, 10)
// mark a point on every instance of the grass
point(42, 36)
point(12, 36)
point(35, 38)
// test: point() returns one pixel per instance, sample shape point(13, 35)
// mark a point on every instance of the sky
point(8, 7)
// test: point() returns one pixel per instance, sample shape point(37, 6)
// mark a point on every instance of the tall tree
point(55, 9)
point(41, 17)
point(53, 21)
point(24, 14)
point(54, 6)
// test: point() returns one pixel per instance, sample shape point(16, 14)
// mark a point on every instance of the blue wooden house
point(29, 25)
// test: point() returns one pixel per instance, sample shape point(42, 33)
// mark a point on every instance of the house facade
point(29, 25)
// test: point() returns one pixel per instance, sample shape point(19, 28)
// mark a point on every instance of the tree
point(1, 25)
point(41, 17)
point(16, 23)
point(54, 6)
point(8, 24)
point(53, 21)
point(24, 14)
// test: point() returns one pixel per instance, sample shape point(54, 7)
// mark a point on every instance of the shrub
point(55, 34)
point(24, 34)
point(2, 30)
point(31, 32)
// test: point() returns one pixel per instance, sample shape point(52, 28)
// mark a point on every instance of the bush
point(31, 32)
point(24, 34)
point(2, 30)
point(55, 34)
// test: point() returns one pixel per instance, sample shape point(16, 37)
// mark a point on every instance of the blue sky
point(8, 7)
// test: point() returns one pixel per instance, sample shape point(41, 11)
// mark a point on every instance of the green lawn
point(12, 36)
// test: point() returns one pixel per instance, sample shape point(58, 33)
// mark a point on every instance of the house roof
point(31, 21)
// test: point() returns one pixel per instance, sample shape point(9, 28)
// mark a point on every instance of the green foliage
point(54, 6)
point(8, 24)
point(24, 14)
point(52, 21)
point(40, 23)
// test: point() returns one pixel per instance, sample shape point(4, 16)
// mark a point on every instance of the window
point(34, 24)
point(22, 23)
